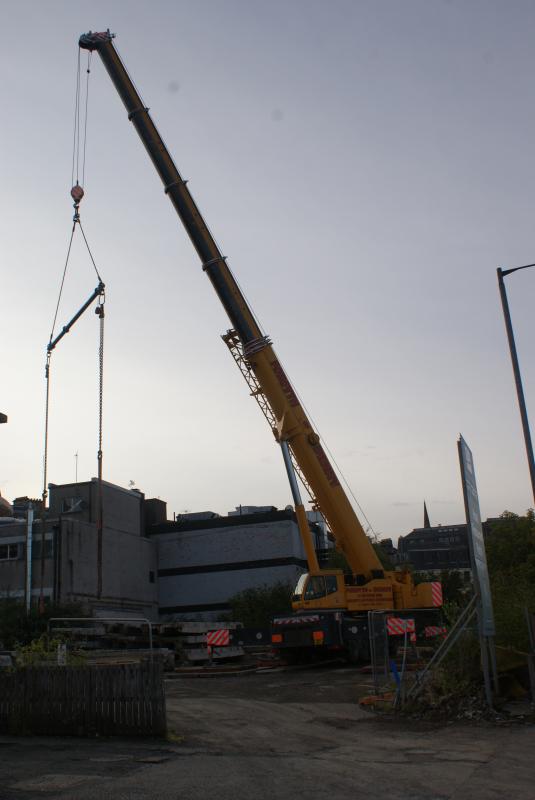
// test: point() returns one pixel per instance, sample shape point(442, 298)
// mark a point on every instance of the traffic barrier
point(436, 593)
point(218, 638)
point(434, 630)
point(396, 626)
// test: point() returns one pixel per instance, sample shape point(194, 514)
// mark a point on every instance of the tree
point(337, 560)
point(255, 607)
point(453, 587)
point(511, 560)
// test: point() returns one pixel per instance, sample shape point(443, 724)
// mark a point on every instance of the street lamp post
point(516, 369)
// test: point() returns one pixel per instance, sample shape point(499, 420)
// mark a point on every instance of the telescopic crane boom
point(375, 588)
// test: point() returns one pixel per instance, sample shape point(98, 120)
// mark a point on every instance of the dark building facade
point(140, 563)
point(204, 559)
point(438, 548)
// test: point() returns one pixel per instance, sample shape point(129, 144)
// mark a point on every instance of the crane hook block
point(77, 193)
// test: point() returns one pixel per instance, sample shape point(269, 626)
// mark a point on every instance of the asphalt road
point(278, 735)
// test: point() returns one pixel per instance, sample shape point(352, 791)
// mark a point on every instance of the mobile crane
point(331, 608)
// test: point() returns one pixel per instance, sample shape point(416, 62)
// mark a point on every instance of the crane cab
point(319, 590)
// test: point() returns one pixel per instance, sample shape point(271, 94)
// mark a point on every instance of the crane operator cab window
point(320, 586)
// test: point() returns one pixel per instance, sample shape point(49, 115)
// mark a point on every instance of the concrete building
point(12, 556)
point(147, 566)
point(203, 562)
point(21, 506)
point(71, 552)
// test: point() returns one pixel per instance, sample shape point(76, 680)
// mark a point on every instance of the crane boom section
point(292, 423)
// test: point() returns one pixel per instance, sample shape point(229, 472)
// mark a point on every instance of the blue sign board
point(476, 542)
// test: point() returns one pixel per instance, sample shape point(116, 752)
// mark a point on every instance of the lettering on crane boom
point(325, 465)
point(285, 383)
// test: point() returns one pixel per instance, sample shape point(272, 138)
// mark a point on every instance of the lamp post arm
point(516, 372)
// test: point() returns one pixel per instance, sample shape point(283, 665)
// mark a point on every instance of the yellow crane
point(338, 597)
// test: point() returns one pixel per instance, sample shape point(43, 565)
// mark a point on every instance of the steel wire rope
point(47, 401)
point(247, 301)
point(309, 415)
point(89, 251)
point(249, 304)
point(62, 281)
point(100, 311)
point(76, 133)
point(205, 223)
point(100, 376)
point(100, 521)
point(129, 76)
point(350, 490)
point(88, 72)
point(45, 493)
point(262, 330)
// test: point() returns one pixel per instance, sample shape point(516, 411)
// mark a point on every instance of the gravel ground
point(278, 735)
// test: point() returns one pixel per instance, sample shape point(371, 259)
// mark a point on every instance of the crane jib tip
point(93, 40)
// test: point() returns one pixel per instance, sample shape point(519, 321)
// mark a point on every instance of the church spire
point(427, 524)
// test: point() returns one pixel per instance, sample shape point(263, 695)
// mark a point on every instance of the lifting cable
point(77, 193)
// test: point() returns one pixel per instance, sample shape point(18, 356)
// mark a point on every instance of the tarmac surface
point(282, 735)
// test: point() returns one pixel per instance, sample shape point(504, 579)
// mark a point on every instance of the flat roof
point(180, 525)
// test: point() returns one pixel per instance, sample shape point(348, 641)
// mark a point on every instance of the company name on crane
point(285, 383)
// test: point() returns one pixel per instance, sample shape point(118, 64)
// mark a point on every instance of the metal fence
point(115, 700)
point(378, 650)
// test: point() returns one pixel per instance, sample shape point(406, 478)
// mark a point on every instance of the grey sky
point(365, 166)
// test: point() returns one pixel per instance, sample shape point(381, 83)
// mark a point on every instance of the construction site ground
point(278, 734)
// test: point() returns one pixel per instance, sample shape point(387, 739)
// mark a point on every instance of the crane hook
point(77, 194)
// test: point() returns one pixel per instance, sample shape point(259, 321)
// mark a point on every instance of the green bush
point(45, 650)
point(255, 607)
point(19, 628)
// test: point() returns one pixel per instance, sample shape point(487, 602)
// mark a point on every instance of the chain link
point(100, 312)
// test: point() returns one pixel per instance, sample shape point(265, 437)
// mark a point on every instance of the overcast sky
point(364, 165)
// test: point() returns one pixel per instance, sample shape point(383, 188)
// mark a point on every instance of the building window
point(151, 576)
point(9, 552)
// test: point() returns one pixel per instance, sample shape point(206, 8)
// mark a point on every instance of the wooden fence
point(114, 700)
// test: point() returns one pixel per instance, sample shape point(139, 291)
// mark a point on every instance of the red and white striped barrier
point(218, 638)
point(396, 626)
point(434, 630)
point(436, 593)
